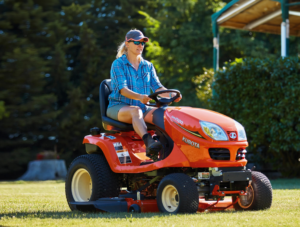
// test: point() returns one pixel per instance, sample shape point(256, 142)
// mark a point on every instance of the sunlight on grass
point(44, 204)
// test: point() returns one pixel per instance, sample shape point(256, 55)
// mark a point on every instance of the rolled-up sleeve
point(117, 76)
point(154, 81)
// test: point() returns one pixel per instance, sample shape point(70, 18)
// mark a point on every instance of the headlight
point(213, 131)
point(241, 131)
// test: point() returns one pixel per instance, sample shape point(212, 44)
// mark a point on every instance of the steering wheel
point(164, 101)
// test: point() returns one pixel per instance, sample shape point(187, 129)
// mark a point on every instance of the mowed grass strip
point(44, 204)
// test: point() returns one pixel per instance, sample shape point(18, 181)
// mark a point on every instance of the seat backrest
point(104, 92)
point(109, 124)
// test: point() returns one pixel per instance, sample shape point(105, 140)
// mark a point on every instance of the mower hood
point(190, 117)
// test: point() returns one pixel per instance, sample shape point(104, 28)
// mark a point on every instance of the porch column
point(285, 29)
point(216, 46)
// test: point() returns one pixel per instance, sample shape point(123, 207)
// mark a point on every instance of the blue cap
point(135, 35)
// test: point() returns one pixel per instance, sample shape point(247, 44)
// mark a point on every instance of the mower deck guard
point(118, 204)
point(106, 204)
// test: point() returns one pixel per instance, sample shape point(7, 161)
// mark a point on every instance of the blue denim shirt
point(124, 75)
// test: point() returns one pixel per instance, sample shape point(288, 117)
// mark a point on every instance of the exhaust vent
point(219, 153)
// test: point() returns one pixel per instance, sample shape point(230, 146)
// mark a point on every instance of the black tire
point(105, 182)
point(185, 201)
point(259, 194)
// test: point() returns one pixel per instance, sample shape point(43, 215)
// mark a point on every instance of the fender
point(92, 149)
point(175, 159)
point(102, 146)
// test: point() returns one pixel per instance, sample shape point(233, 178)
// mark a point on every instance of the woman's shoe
point(152, 147)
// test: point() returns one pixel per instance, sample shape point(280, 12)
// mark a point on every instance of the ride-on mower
point(203, 160)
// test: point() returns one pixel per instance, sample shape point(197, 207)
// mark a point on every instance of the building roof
point(259, 16)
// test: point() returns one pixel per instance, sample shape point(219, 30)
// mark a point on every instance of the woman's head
point(134, 43)
point(135, 35)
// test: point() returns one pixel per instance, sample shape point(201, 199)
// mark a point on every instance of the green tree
point(95, 29)
point(3, 113)
point(54, 55)
point(22, 71)
point(181, 43)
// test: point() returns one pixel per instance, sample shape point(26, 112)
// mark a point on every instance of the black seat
point(108, 123)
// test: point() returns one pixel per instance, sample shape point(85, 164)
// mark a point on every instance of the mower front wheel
point(90, 178)
point(259, 194)
point(177, 193)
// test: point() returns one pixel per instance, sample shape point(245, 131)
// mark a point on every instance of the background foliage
point(55, 53)
point(53, 56)
point(263, 95)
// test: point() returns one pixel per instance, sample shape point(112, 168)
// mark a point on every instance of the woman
point(131, 80)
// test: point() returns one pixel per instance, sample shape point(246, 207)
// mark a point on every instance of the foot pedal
point(146, 163)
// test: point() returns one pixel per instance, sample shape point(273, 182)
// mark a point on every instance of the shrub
point(203, 84)
point(264, 96)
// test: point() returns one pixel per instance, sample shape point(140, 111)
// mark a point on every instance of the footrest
point(146, 163)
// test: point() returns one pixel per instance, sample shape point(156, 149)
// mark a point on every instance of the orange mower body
point(201, 166)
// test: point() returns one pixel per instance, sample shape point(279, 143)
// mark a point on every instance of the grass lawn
point(44, 204)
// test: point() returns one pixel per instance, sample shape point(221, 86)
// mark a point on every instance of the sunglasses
point(137, 42)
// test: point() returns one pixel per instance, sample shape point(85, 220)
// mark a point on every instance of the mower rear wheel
point(259, 194)
point(177, 193)
point(90, 178)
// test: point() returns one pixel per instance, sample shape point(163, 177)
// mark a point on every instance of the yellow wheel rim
point(81, 185)
point(170, 198)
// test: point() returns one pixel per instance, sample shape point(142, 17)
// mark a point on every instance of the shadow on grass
point(80, 215)
point(31, 182)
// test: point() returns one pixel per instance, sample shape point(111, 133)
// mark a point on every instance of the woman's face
point(135, 49)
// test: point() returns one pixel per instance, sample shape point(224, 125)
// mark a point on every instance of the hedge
point(264, 96)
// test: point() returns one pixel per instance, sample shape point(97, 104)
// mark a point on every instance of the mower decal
point(203, 175)
point(118, 146)
point(111, 137)
point(232, 135)
point(190, 142)
point(122, 154)
point(193, 133)
point(177, 119)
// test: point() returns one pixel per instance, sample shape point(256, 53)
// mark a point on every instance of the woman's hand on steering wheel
point(178, 99)
point(144, 99)
point(165, 101)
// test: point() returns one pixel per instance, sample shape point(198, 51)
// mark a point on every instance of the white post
point(216, 47)
point(283, 39)
point(287, 28)
point(287, 37)
point(218, 55)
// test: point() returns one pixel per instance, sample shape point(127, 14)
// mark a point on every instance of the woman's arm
point(168, 95)
point(157, 86)
point(133, 95)
point(165, 95)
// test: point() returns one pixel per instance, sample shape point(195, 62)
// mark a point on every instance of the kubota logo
point(177, 119)
point(190, 142)
point(232, 135)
